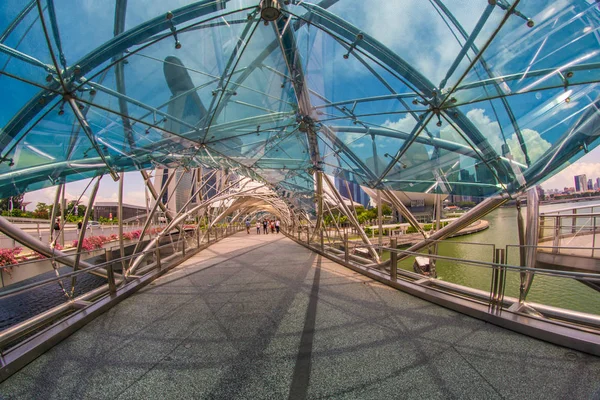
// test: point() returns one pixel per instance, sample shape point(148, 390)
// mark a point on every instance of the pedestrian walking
point(247, 226)
point(277, 223)
point(272, 226)
point(265, 227)
point(258, 227)
point(56, 231)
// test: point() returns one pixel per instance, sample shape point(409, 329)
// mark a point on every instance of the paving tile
point(259, 317)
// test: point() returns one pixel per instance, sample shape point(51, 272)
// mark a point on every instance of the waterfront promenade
point(261, 317)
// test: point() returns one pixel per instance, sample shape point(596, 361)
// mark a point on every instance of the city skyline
point(134, 184)
point(587, 165)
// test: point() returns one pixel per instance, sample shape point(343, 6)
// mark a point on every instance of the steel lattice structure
point(281, 98)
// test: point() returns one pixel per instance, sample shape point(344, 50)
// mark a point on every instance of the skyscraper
point(580, 183)
point(355, 192)
point(175, 196)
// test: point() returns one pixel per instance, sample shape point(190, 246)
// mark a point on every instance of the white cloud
point(405, 124)
point(490, 129)
point(536, 145)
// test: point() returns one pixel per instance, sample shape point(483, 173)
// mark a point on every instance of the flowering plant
point(132, 235)
point(8, 256)
point(91, 243)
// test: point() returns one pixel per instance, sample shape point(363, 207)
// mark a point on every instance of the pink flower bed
point(132, 235)
point(8, 256)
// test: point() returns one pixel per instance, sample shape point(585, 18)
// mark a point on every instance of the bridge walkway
point(261, 317)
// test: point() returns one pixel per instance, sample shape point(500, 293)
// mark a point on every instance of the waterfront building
point(109, 210)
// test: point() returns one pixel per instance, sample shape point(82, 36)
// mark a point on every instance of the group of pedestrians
point(272, 224)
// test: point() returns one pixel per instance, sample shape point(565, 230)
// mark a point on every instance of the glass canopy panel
point(176, 84)
point(50, 151)
point(248, 147)
point(403, 26)
point(526, 107)
point(10, 12)
point(562, 48)
point(290, 147)
point(255, 97)
point(24, 51)
point(142, 11)
point(285, 153)
point(331, 73)
point(93, 26)
point(20, 94)
point(340, 161)
point(553, 129)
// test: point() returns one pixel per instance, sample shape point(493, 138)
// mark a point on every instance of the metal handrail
point(592, 206)
point(58, 259)
point(25, 288)
point(12, 333)
point(486, 264)
point(570, 215)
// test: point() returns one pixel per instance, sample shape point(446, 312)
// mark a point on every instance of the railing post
point(183, 244)
point(157, 255)
point(393, 260)
point(346, 249)
point(110, 273)
point(556, 240)
point(574, 221)
point(498, 282)
point(322, 240)
point(594, 236)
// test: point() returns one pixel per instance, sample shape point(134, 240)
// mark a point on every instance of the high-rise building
point(590, 184)
point(580, 183)
point(598, 183)
point(174, 197)
point(352, 191)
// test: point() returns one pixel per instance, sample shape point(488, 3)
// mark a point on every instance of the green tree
point(17, 202)
point(41, 211)
point(73, 215)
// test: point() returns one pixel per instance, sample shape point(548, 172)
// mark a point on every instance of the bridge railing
point(488, 278)
point(40, 313)
point(571, 231)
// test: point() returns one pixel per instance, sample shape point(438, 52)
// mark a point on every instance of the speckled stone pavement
point(260, 317)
